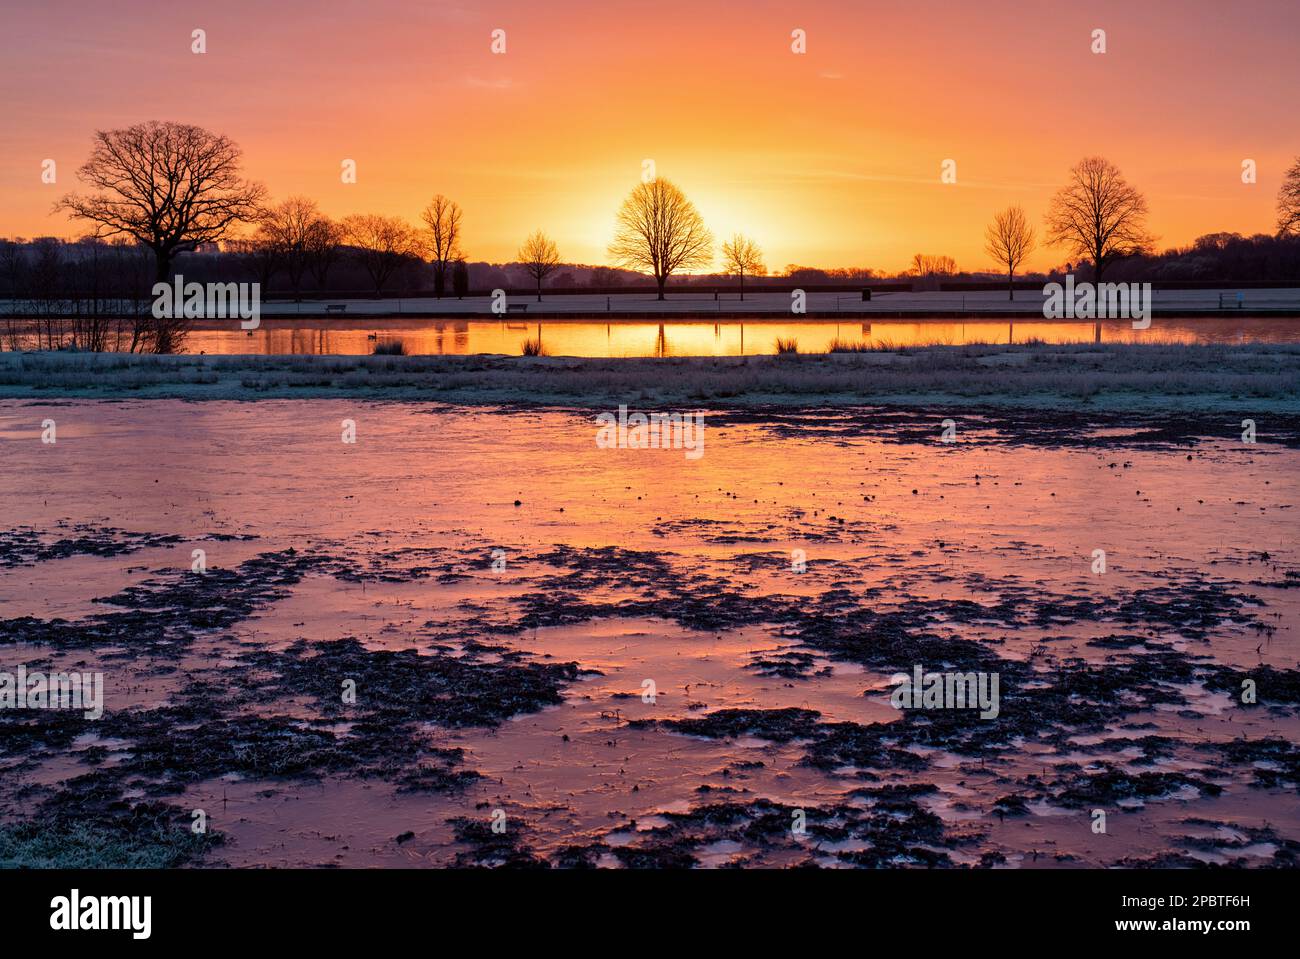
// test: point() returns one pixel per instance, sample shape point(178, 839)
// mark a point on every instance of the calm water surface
point(687, 338)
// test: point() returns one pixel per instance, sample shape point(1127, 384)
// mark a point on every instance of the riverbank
point(1258, 378)
point(842, 304)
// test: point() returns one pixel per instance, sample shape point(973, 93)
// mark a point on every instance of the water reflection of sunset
point(732, 338)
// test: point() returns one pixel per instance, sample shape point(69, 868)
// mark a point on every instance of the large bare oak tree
point(171, 186)
point(660, 231)
point(1098, 215)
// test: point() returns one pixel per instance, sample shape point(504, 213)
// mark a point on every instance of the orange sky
point(830, 158)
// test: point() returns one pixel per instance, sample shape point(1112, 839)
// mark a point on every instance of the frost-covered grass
point(1110, 376)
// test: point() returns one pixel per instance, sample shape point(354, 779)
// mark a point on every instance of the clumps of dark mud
point(827, 745)
point(1224, 845)
point(1274, 688)
point(282, 715)
point(25, 546)
point(791, 525)
point(1044, 700)
point(404, 685)
point(1077, 428)
point(783, 664)
point(163, 613)
point(1272, 762)
point(384, 731)
point(1110, 786)
point(1226, 839)
point(1192, 605)
point(692, 598)
point(413, 563)
point(777, 725)
point(491, 849)
point(885, 827)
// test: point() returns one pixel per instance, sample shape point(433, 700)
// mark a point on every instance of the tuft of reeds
point(845, 346)
point(533, 347)
point(786, 346)
point(390, 348)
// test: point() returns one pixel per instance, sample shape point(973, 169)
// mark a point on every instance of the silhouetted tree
point(1009, 240)
point(288, 228)
point(460, 279)
point(1288, 201)
point(660, 231)
point(1098, 215)
point(260, 256)
point(741, 255)
point(323, 249)
point(171, 186)
point(13, 268)
point(383, 243)
point(442, 221)
point(923, 264)
point(540, 258)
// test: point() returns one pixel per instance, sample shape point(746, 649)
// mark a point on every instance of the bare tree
point(540, 258)
point(260, 255)
point(47, 282)
point(323, 249)
point(1098, 215)
point(1009, 240)
point(460, 279)
point(383, 244)
point(924, 264)
point(171, 186)
point(741, 255)
point(290, 228)
point(659, 231)
point(442, 220)
point(13, 266)
point(1288, 201)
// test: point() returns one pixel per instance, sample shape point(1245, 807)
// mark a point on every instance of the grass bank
point(1112, 376)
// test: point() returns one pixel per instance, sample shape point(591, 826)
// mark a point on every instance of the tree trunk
point(1011, 285)
point(164, 336)
point(539, 289)
point(661, 280)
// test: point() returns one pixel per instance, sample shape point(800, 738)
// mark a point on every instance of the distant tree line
point(167, 198)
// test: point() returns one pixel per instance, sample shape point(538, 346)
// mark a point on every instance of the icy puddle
point(473, 637)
